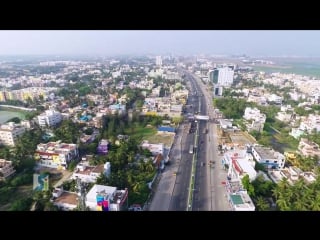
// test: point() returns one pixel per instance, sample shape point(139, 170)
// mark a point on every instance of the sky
point(114, 42)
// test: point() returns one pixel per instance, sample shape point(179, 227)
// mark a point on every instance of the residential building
point(153, 148)
point(240, 164)
point(106, 198)
point(64, 200)
point(268, 157)
point(10, 132)
point(225, 123)
point(275, 99)
point(310, 123)
point(49, 118)
point(103, 147)
point(241, 201)
point(88, 173)
point(296, 132)
point(56, 154)
point(26, 124)
point(308, 148)
point(257, 119)
point(240, 167)
point(6, 169)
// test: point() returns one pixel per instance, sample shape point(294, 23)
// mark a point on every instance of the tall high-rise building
point(158, 61)
point(221, 76)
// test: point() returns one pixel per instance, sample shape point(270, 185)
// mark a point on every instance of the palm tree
point(315, 204)
point(136, 187)
point(262, 204)
point(149, 166)
point(141, 166)
point(283, 204)
point(130, 156)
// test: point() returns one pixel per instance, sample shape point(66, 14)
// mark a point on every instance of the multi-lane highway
point(193, 180)
point(179, 200)
point(210, 194)
point(208, 191)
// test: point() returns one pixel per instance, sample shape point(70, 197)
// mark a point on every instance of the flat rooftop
point(265, 153)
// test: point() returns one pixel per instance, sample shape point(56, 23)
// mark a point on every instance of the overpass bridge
point(201, 117)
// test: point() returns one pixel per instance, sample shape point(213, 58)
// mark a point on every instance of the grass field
point(6, 115)
point(167, 139)
point(150, 134)
point(140, 132)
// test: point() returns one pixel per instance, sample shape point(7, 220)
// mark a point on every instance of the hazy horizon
point(182, 42)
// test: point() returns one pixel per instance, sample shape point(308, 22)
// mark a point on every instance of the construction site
point(234, 138)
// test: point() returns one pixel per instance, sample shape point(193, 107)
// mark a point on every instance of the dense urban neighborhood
point(157, 133)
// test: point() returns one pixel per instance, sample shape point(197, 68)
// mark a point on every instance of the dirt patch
point(241, 138)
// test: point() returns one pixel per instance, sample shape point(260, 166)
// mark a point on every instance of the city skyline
point(181, 42)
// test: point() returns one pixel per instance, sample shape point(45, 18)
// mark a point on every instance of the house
point(56, 154)
point(65, 200)
point(308, 148)
point(10, 132)
point(88, 173)
point(103, 147)
point(6, 169)
point(106, 198)
point(153, 148)
point(241, 201)
point(268, 157)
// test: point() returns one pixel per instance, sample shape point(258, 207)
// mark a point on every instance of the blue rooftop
point(166, 129)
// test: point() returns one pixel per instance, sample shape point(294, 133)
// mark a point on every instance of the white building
point(241, 201)
point(240, 167)
point(49, 118)
point(6, 169)
point(310, 123)
point(155, 149)
point(56, 154)
point(26, 123)
point(296, 132)
point(284, 117)
point(10, 132)
point(222, 76)
point(254, 114)
point(158, 61)
point(276, 99)
point(88, 173)
point(268, 157)
point(257, 119)
point(115, 199)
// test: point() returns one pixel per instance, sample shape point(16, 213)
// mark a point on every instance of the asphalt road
point(209, 192)
point(181, 186)
point(216, 174)
point(173, 188)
